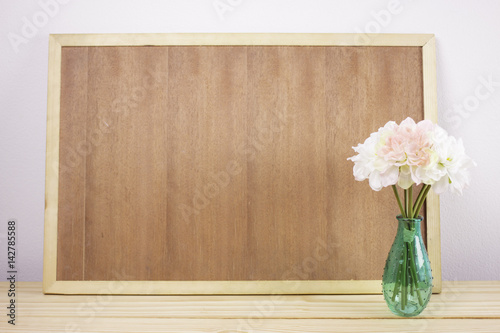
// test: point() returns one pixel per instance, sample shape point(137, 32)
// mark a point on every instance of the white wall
point(468, 52)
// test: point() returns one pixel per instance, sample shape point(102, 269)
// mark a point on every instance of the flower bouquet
point(411, 154)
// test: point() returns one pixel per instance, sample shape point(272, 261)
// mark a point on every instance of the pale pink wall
point(468, 54)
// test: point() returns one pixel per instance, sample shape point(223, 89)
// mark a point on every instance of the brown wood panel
point(228, 162)
point(366, 87)
point(286, 162)
point(125, 200)
point(207, 197)
point(72, 175)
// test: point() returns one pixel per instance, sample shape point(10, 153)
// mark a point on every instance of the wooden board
point(463, 306)
point(221, 168)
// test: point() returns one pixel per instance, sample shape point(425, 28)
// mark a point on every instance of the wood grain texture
point(432, 202)
point(258, 325)
point(286, 161)
point(366, 88)
point(125, 200)
point(206, 216)
point(233, 287)
point(222, 163)
point(470, 306)
point(72, 164)
point(243, 39)
point(52, 167)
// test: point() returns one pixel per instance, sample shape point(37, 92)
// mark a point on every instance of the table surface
point(472, 306)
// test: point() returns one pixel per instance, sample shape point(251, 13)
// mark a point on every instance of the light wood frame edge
point(243, 39)
point(214, 287)
point(432, 202)
point(52, 164)
point(56, 42)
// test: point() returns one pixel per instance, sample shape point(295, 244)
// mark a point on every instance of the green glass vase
point(407, 280)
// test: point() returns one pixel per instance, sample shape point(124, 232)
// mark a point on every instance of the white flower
point(368, 165)
point(412, 153)
point(454, 164)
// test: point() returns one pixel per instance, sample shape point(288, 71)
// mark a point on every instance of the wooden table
point(462, 307)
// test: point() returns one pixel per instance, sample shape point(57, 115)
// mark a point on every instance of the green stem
point(410, 201)
point(422, 200)
point(413, 272)
point(406, 203)
point(412, 282)
point(397, 285)
point(398, 199)
point(420, 197)
point(404, 283)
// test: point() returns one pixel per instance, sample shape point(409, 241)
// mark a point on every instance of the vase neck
point(410, 223)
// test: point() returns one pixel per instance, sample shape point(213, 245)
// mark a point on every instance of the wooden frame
point(53, 286)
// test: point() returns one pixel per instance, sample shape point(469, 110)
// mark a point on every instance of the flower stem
point(422, 199)
point(406, 203)
point(397, 285)
point(398, 199)
point(419, 198)
point(413, 272)
point(410, 262)
point(404, 277)
point(410, 202)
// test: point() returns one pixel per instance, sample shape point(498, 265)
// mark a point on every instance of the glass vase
point(407, 280)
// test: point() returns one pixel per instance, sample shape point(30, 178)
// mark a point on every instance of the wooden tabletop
point(472, 306)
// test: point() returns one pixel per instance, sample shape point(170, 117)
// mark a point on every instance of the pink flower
point(412, 153)
point(409, 145)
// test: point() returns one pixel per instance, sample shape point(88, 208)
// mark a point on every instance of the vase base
point(411, 310)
